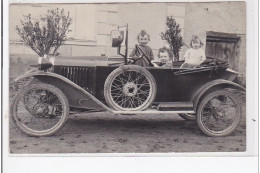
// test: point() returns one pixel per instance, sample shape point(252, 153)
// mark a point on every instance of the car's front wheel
point(40, 110)
point(219, 113)
point(130, 88)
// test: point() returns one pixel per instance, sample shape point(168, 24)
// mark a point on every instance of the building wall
point(150, 17)
point(144, 16)
point(89, 36)
point(93, 37)
point(91, 27)
point(226, 17)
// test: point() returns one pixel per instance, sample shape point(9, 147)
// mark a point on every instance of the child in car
point(195, 55)
point(135, 56)
point(165, 57)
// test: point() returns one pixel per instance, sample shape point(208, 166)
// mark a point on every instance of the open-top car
point(66, 84)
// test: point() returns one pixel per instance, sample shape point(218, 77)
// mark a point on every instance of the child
point(195, 55)
point(143, 38)
point(166, 57)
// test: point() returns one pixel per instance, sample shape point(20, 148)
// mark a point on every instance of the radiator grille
point(78, 75)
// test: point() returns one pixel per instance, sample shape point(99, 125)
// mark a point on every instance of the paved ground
point(106, 133)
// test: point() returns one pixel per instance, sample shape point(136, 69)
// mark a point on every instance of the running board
point(153, 111)
point(175, 106)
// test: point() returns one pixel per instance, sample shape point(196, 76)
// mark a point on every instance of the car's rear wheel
point(40, 110)
point(130, 88)
point(219, 113)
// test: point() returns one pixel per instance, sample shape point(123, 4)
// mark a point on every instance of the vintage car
point(90, 84)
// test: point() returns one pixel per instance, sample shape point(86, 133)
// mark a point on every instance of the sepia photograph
point(127, 77)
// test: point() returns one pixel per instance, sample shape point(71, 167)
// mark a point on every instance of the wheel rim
point(220, 114)
point(39, 110)
point(130, 90)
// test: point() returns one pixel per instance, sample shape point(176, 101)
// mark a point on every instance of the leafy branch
point(172, 36)
point(46, 35)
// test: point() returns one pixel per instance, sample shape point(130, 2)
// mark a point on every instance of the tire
point(33, 81)
point(211, 109)
point(16, 87)
point(46, 106)
point(130, 88)
point(189, 117)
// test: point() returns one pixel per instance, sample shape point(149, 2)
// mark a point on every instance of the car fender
point(213, 85)
point(77, 96)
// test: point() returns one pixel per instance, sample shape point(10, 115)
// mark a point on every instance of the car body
point(93, 84)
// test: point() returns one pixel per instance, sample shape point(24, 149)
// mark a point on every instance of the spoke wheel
point(219, 113)
point(40, 110)
point(130, 88)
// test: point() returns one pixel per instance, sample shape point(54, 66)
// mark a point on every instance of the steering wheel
point(143, 55)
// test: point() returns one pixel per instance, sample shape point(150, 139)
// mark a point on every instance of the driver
point(143, 38)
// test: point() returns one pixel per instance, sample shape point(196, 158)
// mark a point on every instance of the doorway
point(223, 46)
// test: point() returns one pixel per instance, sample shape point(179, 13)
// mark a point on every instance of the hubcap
point(130, 89)
point(40, 109)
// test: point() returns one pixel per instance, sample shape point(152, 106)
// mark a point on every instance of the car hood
point(81, 61)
